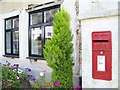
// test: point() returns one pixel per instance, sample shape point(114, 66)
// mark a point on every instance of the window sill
point(36, 58)
point(12, 56)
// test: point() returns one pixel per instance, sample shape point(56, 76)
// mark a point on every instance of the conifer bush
point(59, 48)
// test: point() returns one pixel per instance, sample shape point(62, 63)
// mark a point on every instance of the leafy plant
point(0, 77)
point(41, 83)
point(58, 50)
point(13, 76)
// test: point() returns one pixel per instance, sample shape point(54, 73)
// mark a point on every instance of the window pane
point(15, 42)
point(49, 15)
point(8, 24)
point(48, 32)
point(35, 18)
point(36, 43)
point(15, 22)
point(8, 42)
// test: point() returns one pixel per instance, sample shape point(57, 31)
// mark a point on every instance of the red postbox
point(102, 55)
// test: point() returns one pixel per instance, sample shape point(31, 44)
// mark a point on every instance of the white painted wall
point(95, 5)
point(119, 52)
point(0, 36)
point(87, 27)
point(23, 39)
point(98, 15)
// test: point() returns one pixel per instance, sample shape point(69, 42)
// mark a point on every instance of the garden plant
point(58, 50)
point(13, 76)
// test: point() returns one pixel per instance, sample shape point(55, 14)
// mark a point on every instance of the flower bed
point(15, 77)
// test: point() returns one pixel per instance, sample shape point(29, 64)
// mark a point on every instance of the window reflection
point(49, 15)
point(8, 42)
point(15, 42)
point(36, 44)
point(36, 18)
point(8, 24)
point(48, 32)
point(16, 23)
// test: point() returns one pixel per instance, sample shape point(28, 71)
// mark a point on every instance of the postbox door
point(101, 64)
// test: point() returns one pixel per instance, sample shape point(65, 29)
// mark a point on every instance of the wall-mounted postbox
point(102, 55)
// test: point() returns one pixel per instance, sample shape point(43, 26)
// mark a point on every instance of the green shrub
point(13, 76)
point(58, 50)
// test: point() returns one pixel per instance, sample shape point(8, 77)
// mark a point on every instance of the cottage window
point(40, 29)
point(12, 36)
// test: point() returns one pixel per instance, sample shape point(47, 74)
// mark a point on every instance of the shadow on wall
point(119, 45)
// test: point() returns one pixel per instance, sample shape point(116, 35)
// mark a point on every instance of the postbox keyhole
point(101, 52)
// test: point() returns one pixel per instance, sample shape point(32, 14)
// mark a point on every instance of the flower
point(11, 83)
point(28, 69)
point(56, 84)
point(44, 70)
point(78, 87)
point(34, 79)
point(72, 88)
point(43, 88)
point(6, 84)
point(14, 70)
point(41, 74)
point(29, 75)
point(16, 65)
point(20, 79)
point(17, 77)
point(20, 71)
point(51, 88)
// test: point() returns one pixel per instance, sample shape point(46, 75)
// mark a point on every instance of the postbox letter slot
point(100, 41)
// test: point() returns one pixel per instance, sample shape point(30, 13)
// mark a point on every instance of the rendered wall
point(98, 15)
point(38, 65)
point(98, 24)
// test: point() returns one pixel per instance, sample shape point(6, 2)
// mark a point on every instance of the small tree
point(58, 50)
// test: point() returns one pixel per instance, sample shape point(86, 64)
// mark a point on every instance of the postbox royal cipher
point(102, 55)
